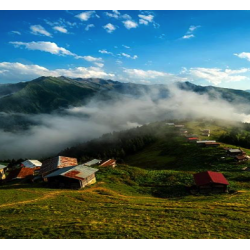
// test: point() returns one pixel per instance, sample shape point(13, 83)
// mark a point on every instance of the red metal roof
point(209, 177)
point(193, 138)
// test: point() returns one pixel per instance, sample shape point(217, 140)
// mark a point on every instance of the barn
point(55, 163)
point(234, 152)
point(211, 182)
point(74, 177)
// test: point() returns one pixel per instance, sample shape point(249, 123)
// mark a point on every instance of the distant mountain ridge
point(47, 94)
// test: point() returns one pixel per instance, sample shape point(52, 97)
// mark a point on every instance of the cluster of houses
point(209, 181)
point(60, 171)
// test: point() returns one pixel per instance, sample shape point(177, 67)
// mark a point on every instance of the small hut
point(209, 181)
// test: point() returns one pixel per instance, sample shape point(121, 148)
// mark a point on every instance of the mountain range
point(48, 94)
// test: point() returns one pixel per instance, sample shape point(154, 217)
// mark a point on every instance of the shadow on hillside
point(170, 191)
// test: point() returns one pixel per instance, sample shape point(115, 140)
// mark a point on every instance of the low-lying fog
point(55, 132)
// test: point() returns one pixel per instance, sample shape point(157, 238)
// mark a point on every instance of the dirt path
point(46, 196)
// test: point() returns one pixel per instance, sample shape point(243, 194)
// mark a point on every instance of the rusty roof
point(21, 173)
point(57, 162)
point(241, 157)
point(109, 162)
point(79, 172)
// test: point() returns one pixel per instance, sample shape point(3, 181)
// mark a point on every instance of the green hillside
point(48, 94)
point(145, 196)
point(45, 94)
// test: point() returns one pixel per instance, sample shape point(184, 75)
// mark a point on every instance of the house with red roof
point(209, 181)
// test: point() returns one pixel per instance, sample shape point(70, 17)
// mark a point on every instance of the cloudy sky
point(204, 47)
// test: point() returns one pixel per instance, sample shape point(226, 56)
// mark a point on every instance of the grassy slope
point(44, 95)
point(146, 200)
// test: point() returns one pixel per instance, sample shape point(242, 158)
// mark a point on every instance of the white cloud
point(150, 76)
point(142, 21)
point(104, 51)
point(60, 29)
point(145, 19)
point(148, 18)
point(189, 34)
point(13, 72)
point(109, 27)
point(39, 30)
point(92, 59)
point(129, 24)
point(54, 49)
point(117, 15)
point(85, 16)
point(244, 55)
point(129, 56)
point(15, 32)
point(44, 46)
point(87, 28)
point(125, 46)
point(217, 76)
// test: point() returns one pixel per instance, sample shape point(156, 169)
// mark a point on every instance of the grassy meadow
point(146, 197)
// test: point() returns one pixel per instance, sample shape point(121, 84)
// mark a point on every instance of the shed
point(31, 164)
point(241, 158)
point(74, 177)
point(235, 151)
point(211, 182)
point(192, 139)
point(179, 126)
point(170, 124)
point(92, 162)
point(53, 164)
point(110, 162)
point(211, 144)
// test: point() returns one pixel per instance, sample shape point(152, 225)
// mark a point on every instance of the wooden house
point(31, 164)
point(170, 124)
point(53, 164)
point(109, 163)
point(2, 172)
point(211, 144)
point(192, 139)
point(74, 177)
point(241, 158)
point(202, 143)
point(209, 181)
point(179, 126)
point(235, 151)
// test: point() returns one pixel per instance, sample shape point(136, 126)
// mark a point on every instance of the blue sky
point(204, 47)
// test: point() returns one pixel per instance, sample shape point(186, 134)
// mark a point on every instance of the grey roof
point(2, 166)
point(92, 162)
point(84, 171)
point(234, 150)
point(204, 141)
